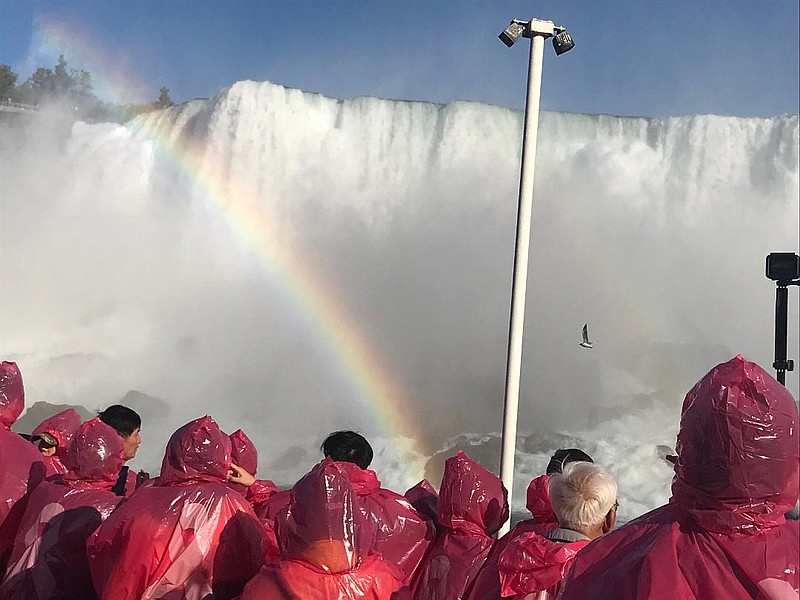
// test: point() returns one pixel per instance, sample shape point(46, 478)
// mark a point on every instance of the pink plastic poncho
point(532, 564)
point(186, 536)
point(245, 454)
point(472, 507)
point(487, 583)
point(425, 500)
point(21, 467)
point(63, 427)
point(274, 506)
point(48, 560)
point(325, 559)
point(723, 533)
point(395, 529)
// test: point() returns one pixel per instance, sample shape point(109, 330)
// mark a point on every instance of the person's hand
point(141, 477)
point(237, 474)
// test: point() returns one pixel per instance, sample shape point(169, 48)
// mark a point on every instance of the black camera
point(783, 266)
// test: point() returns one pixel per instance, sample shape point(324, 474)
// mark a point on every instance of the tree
point(8, 82)
point(164, 101)
point(71, 86)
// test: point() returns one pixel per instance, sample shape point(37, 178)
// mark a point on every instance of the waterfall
point(123, 268)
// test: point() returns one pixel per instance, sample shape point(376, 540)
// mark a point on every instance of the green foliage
point(73, 88)
point(8, 82)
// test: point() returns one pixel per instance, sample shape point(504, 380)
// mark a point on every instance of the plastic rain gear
point(723, 534)
point(472, 506)
point(326, 558)
point(62, 427)
point(277, 504)
point(48, 560)
point(245, 454)
point(487, 582)
point(538, 503)
point(395, 529)
point(186, 536)
point(425, 499)
point(532, 564)
point(21, 467)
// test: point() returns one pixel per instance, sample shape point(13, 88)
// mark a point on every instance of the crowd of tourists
point(76, 523)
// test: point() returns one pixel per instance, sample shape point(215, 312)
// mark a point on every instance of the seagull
point(586, 343)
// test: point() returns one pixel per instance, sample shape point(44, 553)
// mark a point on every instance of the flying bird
point(585, 334)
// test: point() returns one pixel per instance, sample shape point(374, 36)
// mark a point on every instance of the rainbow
point(241, 208)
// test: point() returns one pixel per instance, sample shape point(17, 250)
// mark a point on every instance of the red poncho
point(62, 427)
point(533, 564)
point(48, 560)
point(487, 583)
point(245, 454)
point(723, 533)
point(325, 558)
point(472, 506)
point(395, 529)
point(186, 536)
point(21, 467)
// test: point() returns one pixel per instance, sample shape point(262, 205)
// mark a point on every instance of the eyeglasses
point(616, 505)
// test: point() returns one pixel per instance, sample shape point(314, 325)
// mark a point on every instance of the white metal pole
point(520, 282)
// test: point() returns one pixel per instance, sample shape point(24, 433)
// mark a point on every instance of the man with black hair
point(348, 446)
point(128, 424)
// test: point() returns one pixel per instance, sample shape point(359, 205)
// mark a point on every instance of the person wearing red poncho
point(395, 529)
point(472, 506)
point(48, 560)
point(21, 467)
point(532, 566)
point(188, 535)
point(325, 557)
point(723, 534)
point(392, 527)
point(52, 436)
point(245, 454)
point(543, 519)
point(128, 425)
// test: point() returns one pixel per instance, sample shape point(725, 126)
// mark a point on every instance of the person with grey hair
point(584, 499)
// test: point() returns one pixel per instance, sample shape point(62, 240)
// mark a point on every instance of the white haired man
point(584, 499)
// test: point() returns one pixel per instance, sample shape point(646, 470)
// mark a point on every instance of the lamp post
point(538, 31)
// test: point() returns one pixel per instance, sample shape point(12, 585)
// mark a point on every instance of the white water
point(118, 273)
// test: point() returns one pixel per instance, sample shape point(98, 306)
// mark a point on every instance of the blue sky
point(632, 57)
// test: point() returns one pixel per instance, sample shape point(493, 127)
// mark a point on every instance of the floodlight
point(562, 42)
point(512, 33)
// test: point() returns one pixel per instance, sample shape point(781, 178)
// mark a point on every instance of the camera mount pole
point(782, 363)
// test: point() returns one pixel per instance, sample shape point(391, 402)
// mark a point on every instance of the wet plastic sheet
point(62, 426)
point(48, 560)
point(532, 564)
point(425, 499)
point(21, 467)
point(472, 507)
point(188, 534)
point(723, 533)
point(396, 530)
point(326, 557)
point(487, 583)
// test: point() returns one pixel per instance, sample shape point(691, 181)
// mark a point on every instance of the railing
point(8, 104)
